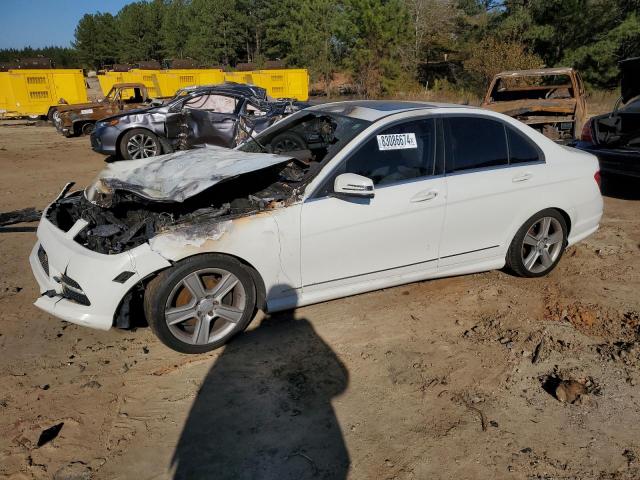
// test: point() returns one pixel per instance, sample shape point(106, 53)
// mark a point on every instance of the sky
point(42, 23)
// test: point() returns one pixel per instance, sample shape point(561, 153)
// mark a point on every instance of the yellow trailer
point(146, 77)
point(284, 83)
point(170, 81)
point(239, 77)
point(109, 79)
point(31, 92)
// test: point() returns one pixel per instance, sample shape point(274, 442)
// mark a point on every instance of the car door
point(351, 240)
point(212, 119)
point(493, 171)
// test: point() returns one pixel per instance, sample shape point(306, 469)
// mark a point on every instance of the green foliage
point(385, 45)
point(60, 56)
point(377, 32)
point(174, 24)
point(215, 32)
point(138, 31)
point(96, 40)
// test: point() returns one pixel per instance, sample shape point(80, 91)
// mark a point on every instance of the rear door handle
point(522, 178)
point(424, 196)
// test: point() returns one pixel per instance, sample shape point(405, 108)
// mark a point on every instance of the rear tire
point(139, 143)
point(288, 142)
point(538, 245)
point(200, 303)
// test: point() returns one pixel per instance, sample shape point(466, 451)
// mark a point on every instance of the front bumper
point(104, 140)
point(68, 273)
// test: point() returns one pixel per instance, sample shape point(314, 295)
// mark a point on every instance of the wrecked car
point(387, 193)
point(551, 100)
point(80, 119)
point(615, 137)
point(223, 115)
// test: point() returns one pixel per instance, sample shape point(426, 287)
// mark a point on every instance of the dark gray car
point(223, 115)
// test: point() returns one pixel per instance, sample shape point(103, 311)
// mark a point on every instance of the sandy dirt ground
point(453, 378)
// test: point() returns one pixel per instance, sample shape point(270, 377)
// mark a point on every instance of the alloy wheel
point(205, 306)
point(542, 244)
point(141, 146)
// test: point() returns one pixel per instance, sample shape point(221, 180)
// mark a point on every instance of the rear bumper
point(587, 221)
point(616, 162)
point(68, 271)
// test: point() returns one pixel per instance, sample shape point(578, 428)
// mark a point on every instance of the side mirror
point(352, 185)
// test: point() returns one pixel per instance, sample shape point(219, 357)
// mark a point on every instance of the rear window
point(521, 149)
point(474, 142)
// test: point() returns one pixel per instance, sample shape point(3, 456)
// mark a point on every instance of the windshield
point(317, 135)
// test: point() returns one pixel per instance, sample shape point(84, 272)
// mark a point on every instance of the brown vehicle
point(551, 100)
point(80, 118)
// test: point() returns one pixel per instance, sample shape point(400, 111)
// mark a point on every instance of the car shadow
point(264, 409)
point(623, 188)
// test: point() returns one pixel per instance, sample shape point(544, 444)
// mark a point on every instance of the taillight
point(586, 135)
point(598, 179)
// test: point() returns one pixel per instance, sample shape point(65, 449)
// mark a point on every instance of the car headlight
point(108, 123)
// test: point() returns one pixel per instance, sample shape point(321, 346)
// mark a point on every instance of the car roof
point(373, 110)
point(246, 90)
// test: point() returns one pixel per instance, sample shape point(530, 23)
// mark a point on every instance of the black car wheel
point(88, 128)
point(288, 142)
point(139, 143)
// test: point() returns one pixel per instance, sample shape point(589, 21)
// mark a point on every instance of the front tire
point(88, 128)
point(139, 143)
point(199, 304)
point(538, 245)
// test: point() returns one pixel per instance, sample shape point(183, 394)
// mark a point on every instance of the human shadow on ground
point(264, 409)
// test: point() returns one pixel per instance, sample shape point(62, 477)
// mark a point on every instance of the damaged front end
point(130, 203)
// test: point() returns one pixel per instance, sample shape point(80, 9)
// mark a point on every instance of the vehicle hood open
point(630, 80)
point(177, 176)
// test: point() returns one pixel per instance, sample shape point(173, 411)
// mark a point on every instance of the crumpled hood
point(176, 176)
point(133, 111)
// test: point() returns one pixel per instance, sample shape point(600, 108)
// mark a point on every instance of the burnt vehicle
point(615, 137)
point(224, 115)
point(551, 100)
point(80, 119)
point(386, 193)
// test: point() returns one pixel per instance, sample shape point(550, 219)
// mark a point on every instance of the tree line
point(385, 45)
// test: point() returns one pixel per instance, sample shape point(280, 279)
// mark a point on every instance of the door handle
point(424, 196)
point(522, 178)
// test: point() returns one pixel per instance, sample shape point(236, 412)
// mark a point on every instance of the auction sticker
point(397, 141)
point(86, 111)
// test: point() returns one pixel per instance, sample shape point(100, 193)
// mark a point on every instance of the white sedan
point(335, 200)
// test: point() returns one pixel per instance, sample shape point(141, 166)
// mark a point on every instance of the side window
point(521, 149)
point(398, 153)
point(254, 111)
point(474, 142)
point(212, 103)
